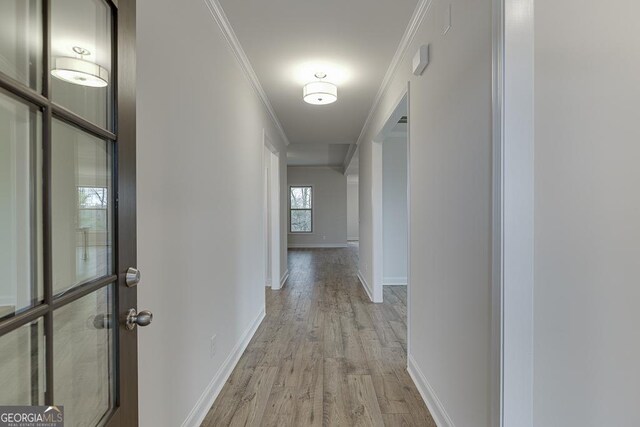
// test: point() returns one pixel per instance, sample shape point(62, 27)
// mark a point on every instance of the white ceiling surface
point(316, 154)
point(288, 41)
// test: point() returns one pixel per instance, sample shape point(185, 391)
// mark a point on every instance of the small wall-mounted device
point(421, 60)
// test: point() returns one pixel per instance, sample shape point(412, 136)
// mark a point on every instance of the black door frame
point(127, 388)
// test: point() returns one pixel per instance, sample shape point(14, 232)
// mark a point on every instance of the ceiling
point(316, 154)
point(288, 41)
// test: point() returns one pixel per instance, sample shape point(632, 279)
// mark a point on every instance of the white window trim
point(313, 211)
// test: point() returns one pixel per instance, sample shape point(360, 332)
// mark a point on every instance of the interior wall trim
point(204, 403)
point(513, 271)
point(394, 281)
point(221, 19)
point(284, 278)
point(365, 285)
point(316, 245)
point(419, 13)
point(429, 396)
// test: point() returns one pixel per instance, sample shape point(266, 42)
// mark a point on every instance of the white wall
point(329, 206)
point(353, 228)
point(450, 214)
point(587, 214)
point(200, 205)
point(394, 211)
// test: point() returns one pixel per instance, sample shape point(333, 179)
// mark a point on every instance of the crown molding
point(347, 159)
point(221, 19)
point(412, 28)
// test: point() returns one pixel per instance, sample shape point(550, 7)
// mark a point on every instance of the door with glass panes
point(67, 209)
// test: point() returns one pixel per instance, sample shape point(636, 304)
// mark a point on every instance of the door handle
point(134, 318)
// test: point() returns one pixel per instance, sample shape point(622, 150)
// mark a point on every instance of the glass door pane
point(81, 58)
point(22, 365)
point(21, 41)
point(83, 358)
point(81, 211)
point(20, 206)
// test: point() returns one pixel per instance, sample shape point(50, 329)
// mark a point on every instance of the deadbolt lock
point(133, 277)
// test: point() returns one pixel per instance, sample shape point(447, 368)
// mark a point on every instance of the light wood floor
point(324, 355)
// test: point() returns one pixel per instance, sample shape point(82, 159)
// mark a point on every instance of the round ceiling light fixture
point(320, 92)
point(79, 71)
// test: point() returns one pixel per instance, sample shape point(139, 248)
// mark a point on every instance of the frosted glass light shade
point(320, 93)
point(80, 72)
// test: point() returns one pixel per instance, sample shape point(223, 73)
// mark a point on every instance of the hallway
point(324, 355)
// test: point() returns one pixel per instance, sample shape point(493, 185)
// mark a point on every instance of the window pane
point(83, 366)
point(81, 58)
point(20, 206)
point(92, 205)
point(300, 197)
point(301, 221)
point(21, 41)
point(22, 365)
point(92, 197)
point(81, 208)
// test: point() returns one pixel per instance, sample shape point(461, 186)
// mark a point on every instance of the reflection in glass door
point(59, 288)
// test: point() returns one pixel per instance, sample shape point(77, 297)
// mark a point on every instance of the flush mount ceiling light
point(79, 71)
point(320, 92)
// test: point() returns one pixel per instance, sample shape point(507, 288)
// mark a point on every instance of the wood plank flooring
point(324, 355)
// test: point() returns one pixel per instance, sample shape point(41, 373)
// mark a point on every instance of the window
point(300, 209)
point(92, 208)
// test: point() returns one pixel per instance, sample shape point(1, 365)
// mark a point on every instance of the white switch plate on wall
point(421, 60)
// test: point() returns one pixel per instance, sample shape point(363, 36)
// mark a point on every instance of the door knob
point(141, 319)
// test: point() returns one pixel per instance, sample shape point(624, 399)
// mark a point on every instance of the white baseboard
point(394, 281)
point(365, 285)
point(284, 278)
point(316, 245)
point(352, 239)
point(200, 410)
point(436, 409)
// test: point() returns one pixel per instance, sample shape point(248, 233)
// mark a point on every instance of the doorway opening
point(390, 186)
point(353, 220)
point(271, 165)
